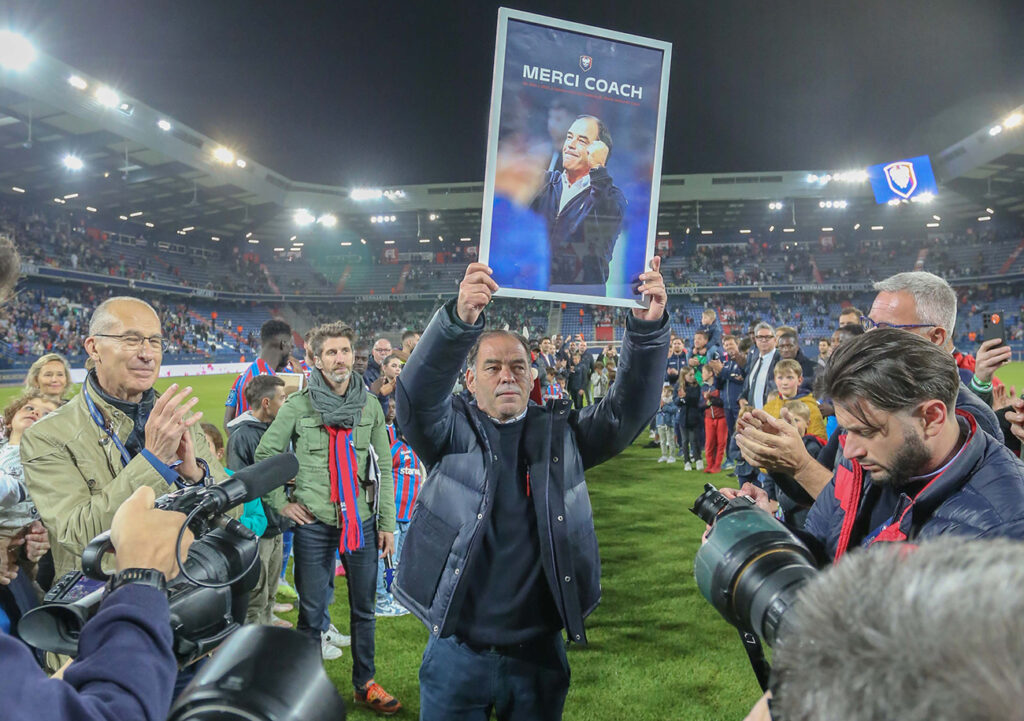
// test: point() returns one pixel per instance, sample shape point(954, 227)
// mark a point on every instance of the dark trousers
point(314, 546)
point(732, 452)
point(524, 683)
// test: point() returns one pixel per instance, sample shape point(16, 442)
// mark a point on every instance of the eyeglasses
point(133, 343)
point(869, 324)
point(763, 337)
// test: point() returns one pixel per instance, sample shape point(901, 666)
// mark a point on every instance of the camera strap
point(758, 662)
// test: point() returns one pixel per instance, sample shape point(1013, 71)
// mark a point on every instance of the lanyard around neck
point(100, 421)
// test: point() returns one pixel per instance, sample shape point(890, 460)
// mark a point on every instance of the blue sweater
point(125, 668)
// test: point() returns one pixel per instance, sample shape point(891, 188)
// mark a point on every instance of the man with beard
point(788, 345)
point(911, 466)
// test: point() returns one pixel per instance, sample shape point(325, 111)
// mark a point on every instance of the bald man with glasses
point(87, 457)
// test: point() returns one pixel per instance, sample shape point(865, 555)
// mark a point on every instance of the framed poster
point(573, 159)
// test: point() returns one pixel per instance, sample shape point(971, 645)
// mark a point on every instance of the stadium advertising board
point(902, 179)
point(573, 159)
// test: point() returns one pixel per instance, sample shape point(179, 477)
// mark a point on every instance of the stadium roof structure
point(145, 169)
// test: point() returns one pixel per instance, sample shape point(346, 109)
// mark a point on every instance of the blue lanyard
point(98, 419)
point(874, 534)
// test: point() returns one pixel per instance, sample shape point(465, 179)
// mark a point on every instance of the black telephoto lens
point(709, 504)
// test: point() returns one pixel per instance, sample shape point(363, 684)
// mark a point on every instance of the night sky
point(375, 93)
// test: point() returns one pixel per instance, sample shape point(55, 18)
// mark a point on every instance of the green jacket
point(77, 479)
point(298, 426)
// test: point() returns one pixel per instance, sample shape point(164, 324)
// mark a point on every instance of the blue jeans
point(314, 547)
point(400, 528)
point(524, 683)
point(286, 551)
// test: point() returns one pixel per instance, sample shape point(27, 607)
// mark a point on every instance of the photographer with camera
point(83, 460)
point(911, 465)
point(126, 667)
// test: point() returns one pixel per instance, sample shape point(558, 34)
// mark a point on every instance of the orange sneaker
point(374, 697)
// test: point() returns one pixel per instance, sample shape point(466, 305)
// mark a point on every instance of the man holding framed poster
point(578, 225)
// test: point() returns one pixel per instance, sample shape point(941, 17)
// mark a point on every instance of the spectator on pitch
point(689, 421)
point(665, 419)
point(333, 424)
point(715, 431)
point(850, 315)
point(409, 340)
point(578, 380)
point(380, 352)
point(711, 327)
point(360, 358)
point(50, 375)
point(384, 387)
point(599, 382)
point(275, 352)
point(409, 473)
point(87, 457)
point(729, 377)
point(910, 466)
point(253, 516)
point(587, 359)
point(789, 385)
point(843, 334)
point(486, 576)
point(677, 361)
point(760, 380)
point(546, 358)
point(553, 389)
point(824, 351)
point(265, 396)
point(788, 345)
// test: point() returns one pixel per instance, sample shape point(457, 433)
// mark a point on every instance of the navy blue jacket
point(679, 364)
point(730, 384)
point(591, 220)
point(979, 495)
point(458, 444)
point(125, 668)
point(750, 380)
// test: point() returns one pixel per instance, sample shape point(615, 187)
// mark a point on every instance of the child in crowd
point(715, 431)
point(666, 421)
point(689, 421)
point(409, 474)
point(794, 501)
point(552, 388)
point(598, 382)
point(788, 377)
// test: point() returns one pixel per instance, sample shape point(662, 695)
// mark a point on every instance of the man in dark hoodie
point(265, 396)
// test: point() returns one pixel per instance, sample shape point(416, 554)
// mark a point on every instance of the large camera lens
point(751, 569)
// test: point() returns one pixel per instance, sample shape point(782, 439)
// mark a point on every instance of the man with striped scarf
point(338, 432)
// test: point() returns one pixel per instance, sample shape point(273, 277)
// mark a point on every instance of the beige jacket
point(76, 477)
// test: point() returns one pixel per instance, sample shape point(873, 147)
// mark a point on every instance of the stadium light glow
point(278, 250)
point(16, 189)
point(136, 214)
point(990, 211)
point(70, 196)
point(441, 238)
point(61, 201)
point(465, 239)
point(304, 217)
point(931, 225)
point(995, 130)
point(789, 230)
point(328, 221)
point(983, 218)
point(149, 225)
point(925, 197)
point(290, 240)
point(856, 226)
point(424, 240)
point(107, 97)
point(394, 194)
point(223, 155)
point(827, 230)
point(249, 235)
point(771, 228)
point(90, 209)
point(745, 231)
point(123, 217)
point(254, 241)
point(163, 125)
point(16, 52)
point(662, 232)
point(215, 238)
point(126, 108)
point(894, 201)
point(705, 232)
point(877, 227)
point(346, 243)
point(298, 245)
point(77, 82)
point(775, 205)
point(240, 163)
point(389, 242)
point(361, 194)
point(363, 241)
point(182, 232)
point(189, 228)
point(73, 162)
point(1013, 120)
point(936, 217)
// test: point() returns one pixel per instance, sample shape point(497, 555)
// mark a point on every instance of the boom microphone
point(251, 482)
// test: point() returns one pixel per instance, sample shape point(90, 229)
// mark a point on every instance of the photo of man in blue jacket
point(501, 553)
point(582, 208)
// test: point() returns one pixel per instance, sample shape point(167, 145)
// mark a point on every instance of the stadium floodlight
point(16, 189)
point(189, 228)
point(983, 218)
point(90, 209)
point(164, 125)
point(70, 196)
point(249, 235)
point(254, 241)
point(73, 162)
point(278, 250)
point(775, 205)
point(16, 52)
point(745, 231)
point(662, 232)
point(877, 227)
point(304, 217)
point(136, 214)
point(936, 217)
point(123, 217)
point(389, 242)
point(990, 211)
point(61, 201)
point(393, 218)
point(424, 240)
point(346, 243)
point(240, 163)
point(856, 226)
point(995, 130)
point(771, 228)
point(107, 97)
point(363, 241)
point(463, 240)
point(894, 201)
point(182, 232)
point(1013, 120)
point(78, 82)
point(812, 178)
point(298, 245)
point(126, 108)
point(223, 155)
point(373, 218)
point(149, 225)
point(931, 225)
point(789, 230)
point(290, 240)
point(706, 232)
point(328, 221)
point(215, 238)
point(361, 194)
point(851, 176)
point(827, 230)
point(435, 216)
point(394, 194)
point(441, 238)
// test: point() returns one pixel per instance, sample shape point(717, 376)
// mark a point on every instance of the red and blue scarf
point(344, 467)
